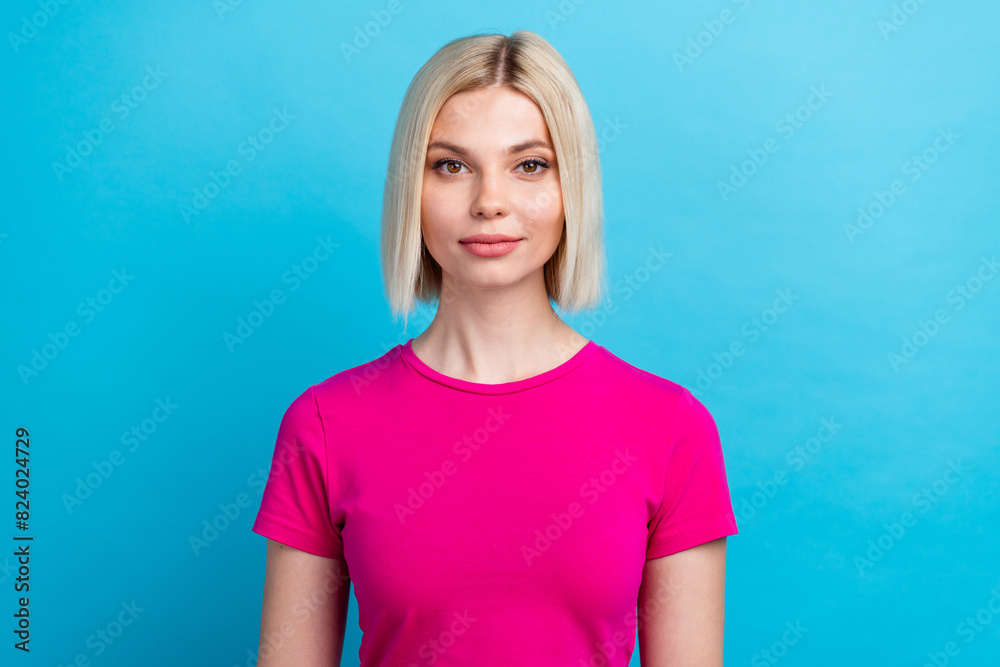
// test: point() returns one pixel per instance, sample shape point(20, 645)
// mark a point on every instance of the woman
point(500, 490)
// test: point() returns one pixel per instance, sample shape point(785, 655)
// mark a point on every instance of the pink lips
point(489, 245)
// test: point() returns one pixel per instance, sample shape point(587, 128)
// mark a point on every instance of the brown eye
point(534, 167)
point(449, 165)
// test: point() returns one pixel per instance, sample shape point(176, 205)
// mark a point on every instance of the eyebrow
point(516, 148)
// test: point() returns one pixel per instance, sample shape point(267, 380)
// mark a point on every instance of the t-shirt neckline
point(504, 387)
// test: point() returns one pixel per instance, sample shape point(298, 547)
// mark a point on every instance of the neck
point(493, 336)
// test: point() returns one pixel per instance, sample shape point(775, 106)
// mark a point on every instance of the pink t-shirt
point(501, 524)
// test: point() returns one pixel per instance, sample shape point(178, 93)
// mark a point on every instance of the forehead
point(482, 115)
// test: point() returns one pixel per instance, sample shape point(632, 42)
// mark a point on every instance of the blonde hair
point(575, 274)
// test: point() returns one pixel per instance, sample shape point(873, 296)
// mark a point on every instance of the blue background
point(680, 128)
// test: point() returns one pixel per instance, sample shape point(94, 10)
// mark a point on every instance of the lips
point(488, 238)
point(496, 245)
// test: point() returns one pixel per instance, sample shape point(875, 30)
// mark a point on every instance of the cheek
point(426, 200)
point(438, 215)
point(542, 207)
point(436, 202)
point(430, 211)
point(552, 213)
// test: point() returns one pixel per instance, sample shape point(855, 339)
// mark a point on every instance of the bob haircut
point(575, 274)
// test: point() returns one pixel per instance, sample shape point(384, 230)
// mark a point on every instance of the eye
point(453, 167)
point(535, 164)
point(449, 166)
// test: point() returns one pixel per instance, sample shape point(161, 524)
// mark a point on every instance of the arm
point(682, 608)
point(304, 613)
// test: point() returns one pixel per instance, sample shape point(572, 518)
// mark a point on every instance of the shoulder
point(625, 375)
point(354, 383)
point(651, 393)
point(352, 391)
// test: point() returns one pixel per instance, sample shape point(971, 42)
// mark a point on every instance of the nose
point(490, 196)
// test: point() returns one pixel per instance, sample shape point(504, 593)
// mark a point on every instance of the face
point(491, 170)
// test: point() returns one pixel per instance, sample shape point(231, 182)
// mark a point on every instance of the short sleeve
point(696, 506)
point(295, 506)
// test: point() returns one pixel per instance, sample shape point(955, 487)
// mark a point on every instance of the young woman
point(500, 490)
